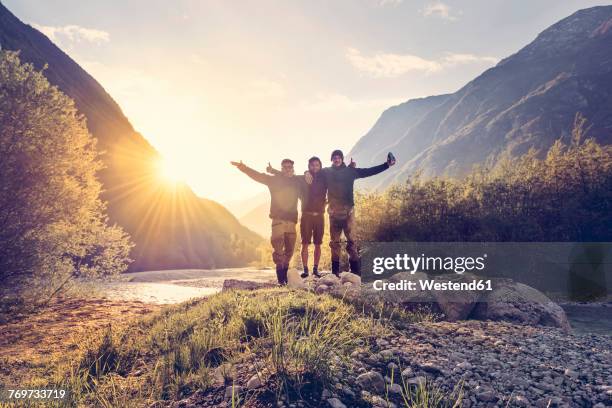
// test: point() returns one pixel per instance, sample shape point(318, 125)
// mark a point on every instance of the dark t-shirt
point(314, 195)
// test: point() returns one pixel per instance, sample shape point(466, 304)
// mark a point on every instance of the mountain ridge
point(199, 233)
point(528, 100)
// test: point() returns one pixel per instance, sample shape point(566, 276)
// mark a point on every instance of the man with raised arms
point(285, 190)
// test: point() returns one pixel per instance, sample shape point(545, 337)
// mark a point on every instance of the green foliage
point(52, 222)
point(564, 196)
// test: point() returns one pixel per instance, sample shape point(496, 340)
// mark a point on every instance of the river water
point(175, 286)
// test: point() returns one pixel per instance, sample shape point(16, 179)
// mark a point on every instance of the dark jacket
point(339, 181)
point(284, 193)
point(313, 195)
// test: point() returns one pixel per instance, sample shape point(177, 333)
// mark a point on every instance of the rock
point(348, 277)
point(486, 396)
point(521, 304)
point(419, 381)
point(254, 382)
point(570, 373)
point(237, 284)
point(456, 305)
point(223, 374)
point(232, 391)
point(431, 368)
point(407, 373)
point(521, 401)
point(320, 289)
point(330, 280)
point(335, 403)
point(395, 389)
point(371, 380)
point(464, 365)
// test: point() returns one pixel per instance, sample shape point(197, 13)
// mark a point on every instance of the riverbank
point(32, 347)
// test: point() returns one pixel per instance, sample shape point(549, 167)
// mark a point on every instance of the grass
point(292, 340)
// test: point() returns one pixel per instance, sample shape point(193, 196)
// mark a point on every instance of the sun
point(171, 170)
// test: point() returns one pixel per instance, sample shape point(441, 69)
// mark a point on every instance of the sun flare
point(171, 170)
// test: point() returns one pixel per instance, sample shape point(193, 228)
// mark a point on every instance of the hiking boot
point(304, 274)
point(281, 275)
point(356, 267)
point(336, 268)
point(315, 272)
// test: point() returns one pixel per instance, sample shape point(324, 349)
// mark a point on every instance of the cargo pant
point(343, 220)
point(283, 243)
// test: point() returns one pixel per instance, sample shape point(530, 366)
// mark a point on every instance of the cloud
point(440, 10)
point(73, 34)
point(388, 65)
point(452, 59)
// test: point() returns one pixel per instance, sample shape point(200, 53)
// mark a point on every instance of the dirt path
point(30, 346)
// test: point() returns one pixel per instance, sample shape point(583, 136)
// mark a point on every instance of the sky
point(211, 81)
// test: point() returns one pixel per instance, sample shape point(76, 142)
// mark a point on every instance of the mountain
point(258, 219)
point(527, 100)
point(241, 207)
point(170, 225)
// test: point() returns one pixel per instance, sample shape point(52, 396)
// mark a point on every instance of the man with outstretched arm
point(284, 192)
point(312, 222)
point(340, 179)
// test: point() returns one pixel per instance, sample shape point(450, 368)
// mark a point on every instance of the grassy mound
point(291, 339)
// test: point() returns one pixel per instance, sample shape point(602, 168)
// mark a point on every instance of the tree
point(53, 225)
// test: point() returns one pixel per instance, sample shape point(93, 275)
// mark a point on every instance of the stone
point(521, 401)
point(395, 389)
point(371, 380)
point(232, 390)
point(418, 381)
point(348, 277)
point(329, 280)
point(520, 304)
point(335, 403)
point(456, 305)
point(320, 289)
point(254, 382)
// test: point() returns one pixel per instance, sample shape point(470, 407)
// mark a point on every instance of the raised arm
point(370, 171)
point(272, 170)
point(255, 175)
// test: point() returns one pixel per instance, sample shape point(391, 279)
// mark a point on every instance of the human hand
point(308, 177)
point(390, 159)
point(352, 163)
point(270, 169)
point(239, 164)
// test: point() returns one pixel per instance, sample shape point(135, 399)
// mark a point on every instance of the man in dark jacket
point(339, 179)
point(312, 222)
point(285, 190)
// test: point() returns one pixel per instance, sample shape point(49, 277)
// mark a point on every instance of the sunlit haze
point(207, 82)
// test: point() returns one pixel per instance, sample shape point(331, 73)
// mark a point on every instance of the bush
point(564, 196)
point(52, 222)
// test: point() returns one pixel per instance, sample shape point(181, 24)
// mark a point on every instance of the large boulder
point(508, 301)
point(456, 305)
point(518, 303)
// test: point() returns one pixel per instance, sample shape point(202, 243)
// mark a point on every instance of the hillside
point(171, 227)
point(527, 101)
point(258, 219)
